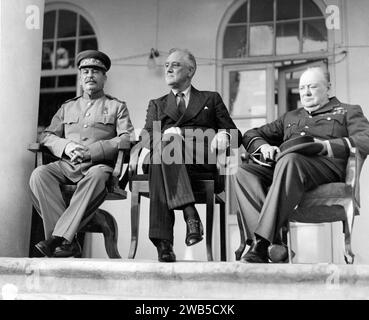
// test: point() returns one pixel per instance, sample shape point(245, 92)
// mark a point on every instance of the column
point(21, 23)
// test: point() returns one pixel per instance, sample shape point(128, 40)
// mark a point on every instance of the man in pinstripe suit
point(177, 115)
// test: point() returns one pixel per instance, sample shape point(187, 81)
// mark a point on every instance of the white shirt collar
point(186, 92)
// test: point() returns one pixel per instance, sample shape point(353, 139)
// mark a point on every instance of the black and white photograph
point(185, 155)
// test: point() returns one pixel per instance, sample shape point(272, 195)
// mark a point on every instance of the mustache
point(90, 80)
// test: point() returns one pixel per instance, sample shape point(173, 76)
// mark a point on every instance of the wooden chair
point(102, 221)
point(331, 202)
point(204, 187)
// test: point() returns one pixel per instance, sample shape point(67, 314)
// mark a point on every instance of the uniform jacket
point(98, 123)
point(205, 110)
point(332, 122)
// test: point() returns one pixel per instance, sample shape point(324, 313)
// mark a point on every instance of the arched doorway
point(258, 43)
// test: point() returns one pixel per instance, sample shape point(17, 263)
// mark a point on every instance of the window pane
point(49, 104)
point(247, 93)
point(240, 15)
point(47, 82)
point(314, 36)
point(85, 28)
point(287, 9)
point(65, 54)
point(67, 81)
point(67, 25)
point(288, 38)
point(310, 9)
point(234, 45)
point(261, 10)
point(261, 40)
point(49, 25)
point(87, 44)
point(47, 55)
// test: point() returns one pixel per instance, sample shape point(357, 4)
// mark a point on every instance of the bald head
point(313, 87)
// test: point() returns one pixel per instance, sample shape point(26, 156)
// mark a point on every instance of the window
point(275, 27)
point(66, 32)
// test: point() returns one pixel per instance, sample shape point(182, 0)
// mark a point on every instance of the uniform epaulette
point(114, 98)
point(72, 99)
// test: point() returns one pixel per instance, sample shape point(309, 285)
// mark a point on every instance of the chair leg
point(108, 223)
point(209, 219)
point(289, 243)
point(135, 220)
point(222, 225)
point(242, 246)
point(349, 223)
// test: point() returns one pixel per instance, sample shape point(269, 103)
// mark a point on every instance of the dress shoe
point(194, 231)
point(258, 252)
point(165, 251)
point(68, 249)
point(278, 253)
point(47, 247)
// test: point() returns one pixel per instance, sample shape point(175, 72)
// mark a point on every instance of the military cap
point(301, 144)
point(93, 58)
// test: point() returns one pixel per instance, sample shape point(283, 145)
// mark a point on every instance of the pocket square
point(206, 108)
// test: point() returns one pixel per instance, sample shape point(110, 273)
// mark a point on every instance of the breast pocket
point(289, 129)
point(70, 123)
point(331, 126)
point(206, 116)
point(105, 119)
point(104, 126)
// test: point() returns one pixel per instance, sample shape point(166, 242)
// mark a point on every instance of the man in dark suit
point(266, 196)
point(177, 130)
point(84, 133)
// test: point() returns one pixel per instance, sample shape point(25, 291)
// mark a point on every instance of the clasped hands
point(77, 153)
point(220, 141)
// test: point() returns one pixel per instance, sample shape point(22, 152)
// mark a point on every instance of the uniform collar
point(94, 96)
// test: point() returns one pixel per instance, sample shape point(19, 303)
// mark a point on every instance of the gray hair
point(190, 57)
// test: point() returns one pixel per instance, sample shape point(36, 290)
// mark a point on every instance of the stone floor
point(42, 278)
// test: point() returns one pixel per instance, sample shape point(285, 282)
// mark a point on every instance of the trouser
point(266, 197)
point(170, 188)
point(59, 220)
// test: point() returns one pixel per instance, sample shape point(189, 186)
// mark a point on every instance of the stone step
point(44, 278)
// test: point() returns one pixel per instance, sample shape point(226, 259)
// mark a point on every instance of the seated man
point(84, 134)
point(266, 196)
point(187, 116)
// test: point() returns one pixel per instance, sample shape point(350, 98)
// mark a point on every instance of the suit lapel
point(194, 106)
point(171, 108)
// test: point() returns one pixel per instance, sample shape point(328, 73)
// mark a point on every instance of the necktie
point(181, 103)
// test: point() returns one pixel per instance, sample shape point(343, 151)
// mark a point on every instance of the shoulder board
point(73, 99)
point(114, 98)
point(339, 110)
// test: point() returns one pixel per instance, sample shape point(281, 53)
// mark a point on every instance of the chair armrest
point(353, 169)
point(134, 157)
point(34, 147)
point(43, 154)
point(122, 158)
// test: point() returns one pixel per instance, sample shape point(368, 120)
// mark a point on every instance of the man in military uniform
point(332, 124)
point(84, 134)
